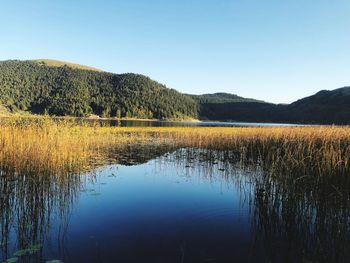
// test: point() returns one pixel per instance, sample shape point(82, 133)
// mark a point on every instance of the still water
point(141, 123)
point(177, 206)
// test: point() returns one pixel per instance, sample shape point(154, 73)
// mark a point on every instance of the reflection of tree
point(138, 153)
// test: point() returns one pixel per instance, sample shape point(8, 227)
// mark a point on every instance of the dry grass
point(58, 63)
point(4, 112)
point(42, 144)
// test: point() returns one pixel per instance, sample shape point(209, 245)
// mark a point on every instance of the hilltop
point(59, 63)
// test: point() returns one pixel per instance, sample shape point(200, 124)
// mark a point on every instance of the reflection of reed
point(32, 203)
point(29, 205)
point(295, 218)
point(309, 214)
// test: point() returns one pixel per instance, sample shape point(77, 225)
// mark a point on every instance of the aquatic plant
point(309, 211)
point(294, 218)
point(42, 144)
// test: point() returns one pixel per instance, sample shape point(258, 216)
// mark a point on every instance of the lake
point(150, 123)
point(173, 205)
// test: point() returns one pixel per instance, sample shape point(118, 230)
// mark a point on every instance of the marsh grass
point(298, 188)
point(43, 144)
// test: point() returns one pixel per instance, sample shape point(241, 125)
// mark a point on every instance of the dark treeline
point(325, 107)
point(38, 88)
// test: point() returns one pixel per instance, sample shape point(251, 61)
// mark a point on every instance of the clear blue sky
point(275, 50)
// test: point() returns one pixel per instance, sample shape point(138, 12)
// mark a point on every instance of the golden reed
point(44, 144)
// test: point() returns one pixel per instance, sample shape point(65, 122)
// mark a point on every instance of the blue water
point(150, 213)
point(177, 207)
point(140, 123)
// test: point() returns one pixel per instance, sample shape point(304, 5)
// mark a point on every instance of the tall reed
point(44, 144)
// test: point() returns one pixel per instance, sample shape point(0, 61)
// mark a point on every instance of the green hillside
point(221, 97)
point(66, 90)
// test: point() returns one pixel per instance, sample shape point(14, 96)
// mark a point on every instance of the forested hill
point(60, 88)
point(324, 107)
point(221, 97)
point(39, 87)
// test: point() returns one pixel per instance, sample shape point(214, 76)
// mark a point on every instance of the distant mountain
point(69, 89)
point(62, 88)
point(325, 107)
point(226, 106)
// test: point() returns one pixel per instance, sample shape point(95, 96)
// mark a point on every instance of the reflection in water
point(295, 218)
point(305, 217)
point(156, 123)
point(174, 201)
point(29, 204)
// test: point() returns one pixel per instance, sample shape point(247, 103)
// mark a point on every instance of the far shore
point(96, 117)
point(188, 120)
point(93, 117)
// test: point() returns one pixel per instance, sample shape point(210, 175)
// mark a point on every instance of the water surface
point(178, 206)
point(141, 123)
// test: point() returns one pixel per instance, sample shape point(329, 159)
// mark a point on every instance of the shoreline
point(190, 120)
point(130, 119)
point(25, 115)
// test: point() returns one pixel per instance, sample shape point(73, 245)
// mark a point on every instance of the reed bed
point(320, 149)
point(300, 192)
point(43, 144)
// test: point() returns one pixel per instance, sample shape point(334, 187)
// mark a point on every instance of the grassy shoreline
point(44, 144)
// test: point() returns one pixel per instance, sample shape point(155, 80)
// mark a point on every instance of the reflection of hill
point(138, 154)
